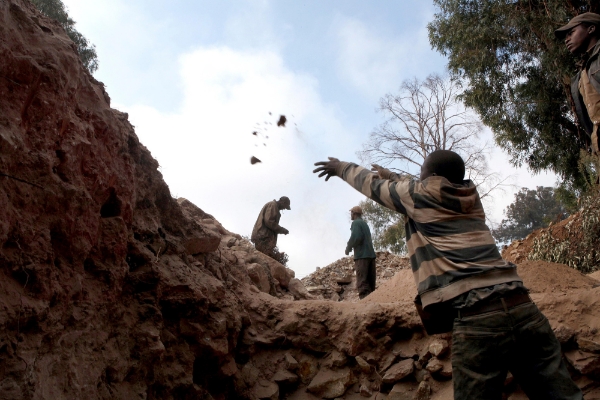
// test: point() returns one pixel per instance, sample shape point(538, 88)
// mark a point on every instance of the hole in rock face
point(205, 366)
point(135, 260)
point(61, 245)
point(112, 206)
point(89, 264)
point(62, 156)
point(61, 168)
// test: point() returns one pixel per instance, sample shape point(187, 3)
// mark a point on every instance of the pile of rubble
point(266, 274)
point(337, 281)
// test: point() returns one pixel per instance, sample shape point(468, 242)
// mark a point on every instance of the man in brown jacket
point(266, 228)
point(581, 38)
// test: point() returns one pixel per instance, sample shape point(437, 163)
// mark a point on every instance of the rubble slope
point(113, 289)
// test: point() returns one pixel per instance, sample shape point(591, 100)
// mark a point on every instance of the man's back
point(267, 221)
point(450, 247)
point(360, 240)
point(460, 275)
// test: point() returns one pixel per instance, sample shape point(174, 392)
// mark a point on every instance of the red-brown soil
point(113, 289)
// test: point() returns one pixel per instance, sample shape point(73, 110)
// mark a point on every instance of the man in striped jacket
point(455, 262)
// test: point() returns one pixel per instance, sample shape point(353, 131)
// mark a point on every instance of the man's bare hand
point(377, 169)
point(328, 168)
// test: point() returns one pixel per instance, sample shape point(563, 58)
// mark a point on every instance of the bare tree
point(426, 116)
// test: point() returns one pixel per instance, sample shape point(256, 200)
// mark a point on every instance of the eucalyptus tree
point(516, 76)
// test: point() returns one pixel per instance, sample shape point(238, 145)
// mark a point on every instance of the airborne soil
point(113, 289)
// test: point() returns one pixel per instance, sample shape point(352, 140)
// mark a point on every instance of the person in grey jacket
point(581, 38)
point(364, 254)
point(266, 228)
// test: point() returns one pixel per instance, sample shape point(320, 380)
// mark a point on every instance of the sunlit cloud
point(204, 149)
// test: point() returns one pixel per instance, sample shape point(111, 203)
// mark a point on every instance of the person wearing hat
point(464, 285)
point(364, 254)
point(581, 38)
point(266, 228)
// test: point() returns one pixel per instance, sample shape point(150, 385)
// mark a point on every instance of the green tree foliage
point(387, 227)
point(577, 243)
point(531, 210)
point(517, 75)
point(56, 9)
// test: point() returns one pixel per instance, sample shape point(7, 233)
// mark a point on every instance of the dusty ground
point(113, 289)
point(567, 298)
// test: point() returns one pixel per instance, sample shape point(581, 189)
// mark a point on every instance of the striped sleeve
point(395, 195)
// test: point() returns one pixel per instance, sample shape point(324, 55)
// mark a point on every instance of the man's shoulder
point(360, 222)
point(595, 50)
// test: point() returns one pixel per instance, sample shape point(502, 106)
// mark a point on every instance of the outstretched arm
point(385, 173)
point(328, 168)
point(394, 195)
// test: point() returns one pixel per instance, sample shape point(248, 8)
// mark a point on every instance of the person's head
point(581, 33)
point(284, 203)
point(444, 163)
point(355, 212)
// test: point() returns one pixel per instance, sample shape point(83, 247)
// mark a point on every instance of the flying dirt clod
point(254, 160)
point(282, 121)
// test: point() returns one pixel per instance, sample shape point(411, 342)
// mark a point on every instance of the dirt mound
point(337, 281)
point(538, 276)
point(545, 277)
point(401, 288)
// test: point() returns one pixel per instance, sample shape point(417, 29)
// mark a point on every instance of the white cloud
point(204, 149)
point(376, 63)
point(522, 177)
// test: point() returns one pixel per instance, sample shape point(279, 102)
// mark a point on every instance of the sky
point(197, 77)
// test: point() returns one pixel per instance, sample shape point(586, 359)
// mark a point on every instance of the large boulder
point(399, 371)
point(329, 384)
point(278, 271)
point(297, 289)
point(259, 277)
point(266, 390)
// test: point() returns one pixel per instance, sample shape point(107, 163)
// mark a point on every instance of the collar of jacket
point(593, 55)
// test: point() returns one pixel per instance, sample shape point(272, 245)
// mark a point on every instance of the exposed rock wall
point(98, 282)
point(112, 289)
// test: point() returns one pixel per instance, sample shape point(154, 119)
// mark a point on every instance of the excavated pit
point(112, 289)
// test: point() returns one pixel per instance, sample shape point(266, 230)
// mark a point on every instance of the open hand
point(328, 168)
point(377, 169)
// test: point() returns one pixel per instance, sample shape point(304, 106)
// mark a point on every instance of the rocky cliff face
point(112, 289)
point(103, 274)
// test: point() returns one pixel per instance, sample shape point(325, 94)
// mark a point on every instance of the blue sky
point(197, 77)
